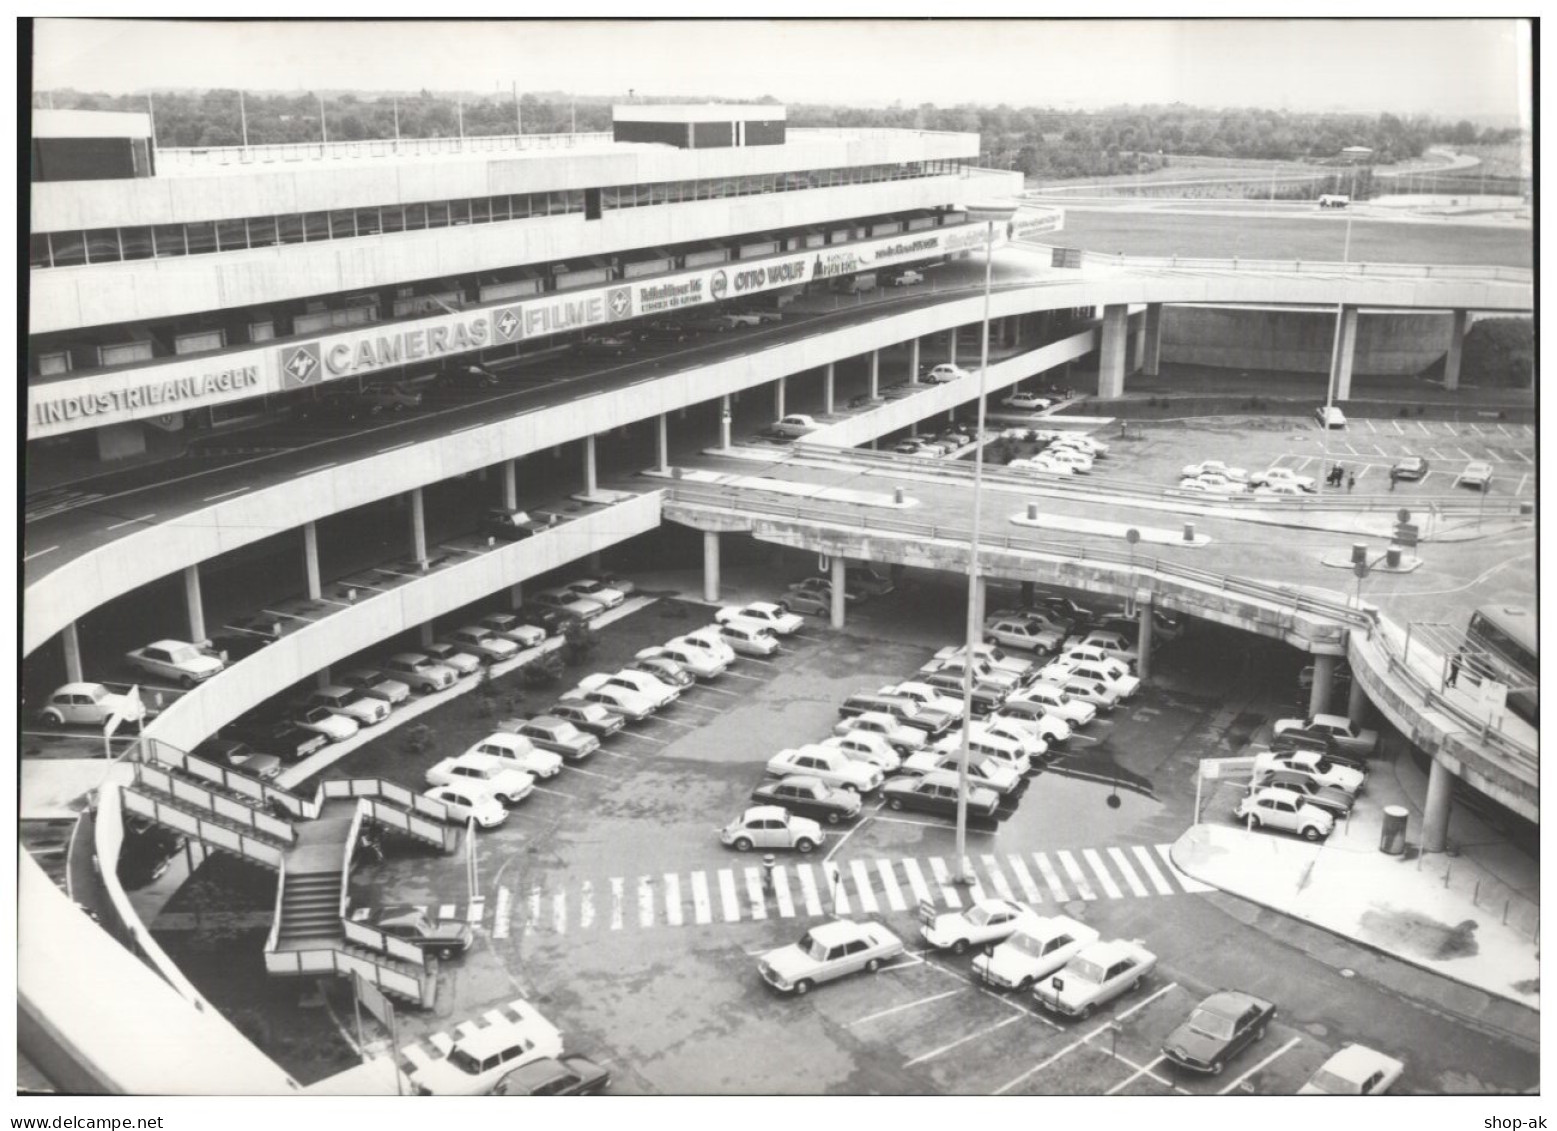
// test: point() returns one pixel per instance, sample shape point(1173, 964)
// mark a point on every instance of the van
point(856, 284)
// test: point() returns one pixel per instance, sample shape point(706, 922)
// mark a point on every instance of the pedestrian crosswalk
point(802, 889)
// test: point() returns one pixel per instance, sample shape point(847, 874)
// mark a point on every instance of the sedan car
point(827, 952)
point(769, 826)
point(1026, 402)
point(480, 1057)
point(1354, 1071)
point(593, 718)
point(831, 767)
point(350, 702)
point(1037, 948)
point(664, 669)
point(807, 601)
point(322, 720)
point(936, 792)
point(485, 643)
point(1347, 736)
point(988, 773)
point(551, 733)
point(1054, 701)
point(631, 705)
point(794, 425)
point(691, 659)
point(864, 746)
point(1315, 766)
point(941, 374)
point(1409, 468)
point(594, 589)
point(1215, 467)
point(1329, 417)
point(1217, 1030)
point(763, 614)
point(1274, 475)
point(450, 656)
point(564, 1076)
point(986, 921)
point(176, 660)
point(1098, 974)
point(239, 757)
point(443, 937)
point(500, 777)
point(518, 753)
point(89, 704)
point(510, 627)
point(1336, 802)
point(376, 685)
point(907, 278)
point(562, 600)
point(807, 796)
point(901, 737)
point(511, 525)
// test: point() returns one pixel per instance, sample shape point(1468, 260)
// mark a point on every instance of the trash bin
point(1392, 838)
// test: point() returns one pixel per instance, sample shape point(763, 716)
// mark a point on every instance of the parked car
point(936, 792)
point(592, 718)
point(1098, 974)
point(500, 777)
point(1316, 766)
point(1290, 490)
point(664, 669)
point(1026, 402)
point(176, 660)
point(762, 614)
point(236, 645)
point(551, 733)
point(146, 853)
point(89, 704)
point(1101, 695)
point(867, 581)
point(563, 600)
point(322, 720)
point(907, 278)
point(510, 627)
point(564, 1076)
point(658, 692)
point(900, 736)
point(1015, 632)
point(1113, 644)
point(1036, 719)
point(1022, 733)
point(983, 671)
point(350, 703)
point(865, 746)
point(443, 937)
point(285, 741)
point(689, 657)
point(1020, 667)
point(423, 673)
point(485, 643)
point(710, 639)
point(770, 826)
point(807, 601)
point(606, 345)
point(511, 526)
point(1282, 809)
point(827, 952)
point(593, 589)
point(392, 397)
point(376, 685)
point(1347, 736)
point(985, 698)
point(908, 447)
point(941, 374)
point(1271, 476)
point(983, 771)
point(473, 801)
point(984, 921)
point(517, 752)
point(1354, 1071)
point(1090, 445)
point(933, 698)
point(1330, 417)
point(900, 707)
point(632, 705)
point(240, 757)
point(462, 663)
point(1037, 948)
point(481, 1057)
point(1336, 802)
point(832, 767)
point(1410, 468)
point(1217, 1030)
point(749, 640)
point(795, 425)
point(808, 796)
point(1215, 467)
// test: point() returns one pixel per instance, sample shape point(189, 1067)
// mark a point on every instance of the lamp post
point(989, 214)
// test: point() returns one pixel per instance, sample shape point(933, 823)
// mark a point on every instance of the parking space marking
point(1099, 869)
point(997, 878)
point(1185, 882)
point(1353, 450)
point(1436, 454)
point(1159, 881)
point(743, 675)
point(808, 889)
point(586, 905)
point(1122, 863)
point(1399, 430)
point(559, 913)
point(1426, 431)
point(786, 904)
point(587, 773)
point(943, 878)
point(729, 899)
point(755, 894)
point(616, 903)
point(553, 792)
point(225, 494)
point(1523, 479)
point(1077, 878)
point(442, 1042)
point(715, 691)
point(418, 1059)
point(1449, 428)
point(645, 901)
point(1475, 429)
point(1140, 1005)
point(645, 737)
point(1143, 1070)
point(535, 910)
point(500, 914)
point(1041, 1065)
point(900, 1008)
point(1524, 457)
point(673, 899)
point(1371, 428)
point(916, 882)
point(862, 892)
point(933, 1053)
point(1279, 1052)
point(1024, 879)
point(702, 905)
point(889, 886)
point(1464, 454)
point(673, 722)
point(1051, 877)
point(1381, 451)
point(698, 707)
point(1306, 461)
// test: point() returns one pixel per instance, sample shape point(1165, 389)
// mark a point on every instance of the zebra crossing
point(804, 889)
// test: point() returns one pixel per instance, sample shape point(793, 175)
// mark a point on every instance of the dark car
point(1321, 744)
point(554, 621)
point(510, 525)
point(606, 345)
point(443, 937)
point(146, 853)
point(1336, 802)
point(986, 698)
point(239, 756)
point(936, 792)
point(287, 742)
point(334, 409)
point(1217, 1030)
point(593, 718)
point(1411, 468)
point(665, 332)
point(809, 797)
point(665, 670)
point(569, 1076)
point(234, 646)
point(555, 734)
point(1340, 682)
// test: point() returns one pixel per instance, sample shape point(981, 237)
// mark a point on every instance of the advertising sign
point(1026, 225)
point(57, 407)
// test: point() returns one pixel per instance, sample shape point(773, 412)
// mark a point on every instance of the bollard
point(1505, 913)
point(1189, 532)
point(768, 864)
point(1359, 553)
point(897, 495)
point(1032, 512)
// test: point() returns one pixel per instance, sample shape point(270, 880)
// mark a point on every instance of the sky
point(1446, 68)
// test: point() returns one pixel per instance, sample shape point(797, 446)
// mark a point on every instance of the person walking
point(1454, 668)
point(1351, 480)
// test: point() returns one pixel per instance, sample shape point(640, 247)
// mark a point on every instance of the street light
point(990, 214)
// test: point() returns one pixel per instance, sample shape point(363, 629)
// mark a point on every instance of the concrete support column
point(516, 596)
point(589, 465)
point(662, 442)
point(1111, 353)
point(1151, 357)
point(1027, 594)
point(913, 362)
point(1435, 810)
point(875, 373)
point(980, 600)
point(1356, 702)
point(710, 565)
point(839, 566)
point(511, 484)
point(724, 422)
point(913, 427)
point(72, 644)
point(1451, 360)
point(827, 389)
point(193, 604)
point(1324, 677)
point(1138, 349)
point(951, 345)
point(1143, 643)
point(322, 677)
point(311, 559)
point(1345, 354)
point(418, 528)
point(778, 398)
point(425, 632)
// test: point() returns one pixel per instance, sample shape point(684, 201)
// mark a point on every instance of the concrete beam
point(1451, 360)
point(193, 604)
point(1111, 353)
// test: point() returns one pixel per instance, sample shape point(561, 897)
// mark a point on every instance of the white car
point(1077, 461)
point(832, 767)
point(748, 639)
point(1272, 476)
point(181, 662)
point(375, 684)
point(827, 951)
point(942, 374)
point(450, 656)
point(1047, 464)
point(770, 826)
point(694, 659)
point(1010, 753)
point(983, 672)
point(517, 751)
point(907, 278)
point(1354, 1071)
point(1348, 737)
point(1098, 974)
point(983, 770)
point(926, 696)
point(472, 801)
point(763, 614)
point(1017, 632)
point(1115, 644)
point(710, 640)
point(993, 655)
point(480, 771)
point(795, 425)
point(1330, 417)
point(902, 738)
point(986, 921)
point(1477, 474)
point(1025, 734)
point(1054, 700)
point(1215, 467)
point(484, 642)
point(1049, 729)
point(1082, 443)
point(322, 720)
point(483, 1056)
point(1315, 765)
point(1212, 485)
point(510, 627)
point(593, 590)
point(1085, 662)
point(1109, 665)
point(565, 601)
point(351, 703)
point(1285, 810)
point(1026, 402)
point(1037, 948)
point(425, 673)
point(866, 746)
point(1093, 691)
point(89, 704)
point(623, 701)
point(1268, 490)
point(645, 683)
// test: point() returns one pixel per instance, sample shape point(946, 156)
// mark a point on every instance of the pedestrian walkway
point(815, 889)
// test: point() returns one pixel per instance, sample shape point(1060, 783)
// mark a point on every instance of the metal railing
point(216, 156)
point(331, 960)
point(261, 851)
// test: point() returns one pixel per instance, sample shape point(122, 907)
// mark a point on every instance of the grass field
point(1312, 238)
